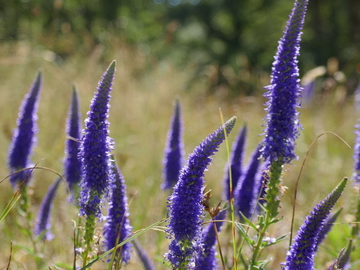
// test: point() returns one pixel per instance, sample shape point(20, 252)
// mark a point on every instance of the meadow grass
point(141, 105)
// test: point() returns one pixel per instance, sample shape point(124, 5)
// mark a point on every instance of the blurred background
point(212, 54)
point(230, 43)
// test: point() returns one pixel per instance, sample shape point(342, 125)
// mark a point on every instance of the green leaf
point(26, 249)
point(9, 206)
point(249, 222)
point(244, 234)
point(64, 266)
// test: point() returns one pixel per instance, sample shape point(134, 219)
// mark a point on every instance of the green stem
point(88, 237)
point(24, 211)
point(272, 206)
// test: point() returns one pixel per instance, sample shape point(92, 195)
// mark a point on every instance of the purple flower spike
point(146, 262)
point(328, 223)
point(356, 175)
point(302, 252)
point(237, 156)
point(185, 209)
point(24, 137)
point(95, 149)
point(308, 92)
point(357, 97)
point(343, 260)
point(282, 123)
point(72, 163)
point(247, 190)
point(207, 258)
point(117, 227)
point(43, 224)
point(174, 151)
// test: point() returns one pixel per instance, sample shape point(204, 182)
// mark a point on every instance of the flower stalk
point(72, 162)
point(282, 119)
point(174, 150)
point(302, 252)
point(185, 209)
point(24, 137)
point(95, 154)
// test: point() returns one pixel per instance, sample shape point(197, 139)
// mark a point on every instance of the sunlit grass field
point(142, 101)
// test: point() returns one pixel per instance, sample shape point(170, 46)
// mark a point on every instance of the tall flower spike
point(236, 160)
point(117, 227)
point(247, 190)
point(43, 225)
point(185, 208)
point(308, 93)
point(145, 260)
point(207, 258)
point(282, 119)
point(357, 97)
point(24, 137)
point(356, 175)
point(282, 123)
point(328, 223)
point(302, 252)
point(95, 148)
point(343, 260)
point(174, 151)
point(72, 162)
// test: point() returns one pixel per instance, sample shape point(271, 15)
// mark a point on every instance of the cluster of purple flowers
point(117, 227)
point(88, 163)
point(174, 150)
point(24, 137)
point(90, 166)
point(356, 175)
point(302, 252)
point(185, 209)
point(282, 123)
point(72, 163)
point(95, 149)
point(100, 176)
point(233, 174)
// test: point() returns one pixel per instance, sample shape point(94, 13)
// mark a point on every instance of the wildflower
point(207, 258)
point(185, 207)
point(342, 261)
point(282, 123)
point(356, 175)
point(247, 190)
point(174, 151)
point(72, 163)
point(328, 223)
point(146, 262)
point(357, 97)
point(302, 252)
point(117, 227)
point(95, 148)
point(308, 92)
point(24, 137)
point(236, 161)
point(43, 225)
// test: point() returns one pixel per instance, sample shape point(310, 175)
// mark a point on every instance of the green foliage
point(230, 42)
